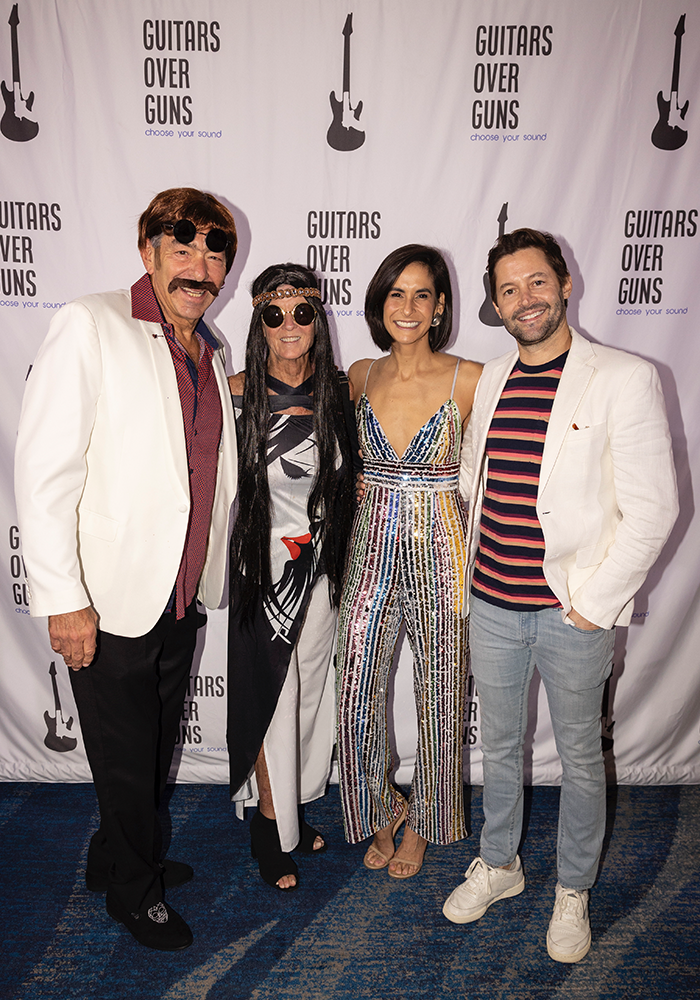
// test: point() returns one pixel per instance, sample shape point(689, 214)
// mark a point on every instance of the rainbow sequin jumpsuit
point(407, 565)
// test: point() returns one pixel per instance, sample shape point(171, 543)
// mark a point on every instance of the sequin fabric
point(406, 565)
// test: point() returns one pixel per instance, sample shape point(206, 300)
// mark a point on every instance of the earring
point(436, 321)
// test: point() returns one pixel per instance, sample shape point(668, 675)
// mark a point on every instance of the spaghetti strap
point(367, 375)
point(454, 380)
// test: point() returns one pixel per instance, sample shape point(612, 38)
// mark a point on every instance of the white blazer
point(607, 496)
point(101, 475)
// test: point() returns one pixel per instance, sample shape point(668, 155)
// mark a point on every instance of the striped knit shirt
point(508, 570)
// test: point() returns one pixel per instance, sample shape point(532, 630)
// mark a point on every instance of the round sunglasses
point(184, 231)
point(303, 314)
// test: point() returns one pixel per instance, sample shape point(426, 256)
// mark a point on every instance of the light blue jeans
point(574, 665)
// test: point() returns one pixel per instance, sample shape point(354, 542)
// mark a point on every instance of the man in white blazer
point(125, 474)
point(568, 468)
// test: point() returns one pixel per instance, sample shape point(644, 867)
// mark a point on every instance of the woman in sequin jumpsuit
point(407, 565)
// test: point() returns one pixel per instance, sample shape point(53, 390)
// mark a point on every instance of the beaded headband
point(286, 293)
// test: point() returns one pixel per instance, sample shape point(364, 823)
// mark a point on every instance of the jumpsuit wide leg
point(407, 564)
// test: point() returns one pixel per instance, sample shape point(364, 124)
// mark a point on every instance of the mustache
point(208, 286)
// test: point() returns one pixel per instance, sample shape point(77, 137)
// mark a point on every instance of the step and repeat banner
point(335, 132)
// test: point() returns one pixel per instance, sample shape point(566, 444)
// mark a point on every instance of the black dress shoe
point(157, 926)
point(175, 873)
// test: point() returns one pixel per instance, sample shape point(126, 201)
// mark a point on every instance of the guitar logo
point(17, 123)
point(669, 132)
point(487, 313)
point(58, 737)
point(342, 133)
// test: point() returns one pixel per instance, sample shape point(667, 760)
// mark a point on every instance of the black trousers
point(130, 701)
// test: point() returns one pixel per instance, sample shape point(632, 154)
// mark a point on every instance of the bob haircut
point(526, 239)
point(201, 208)
point(385, 279)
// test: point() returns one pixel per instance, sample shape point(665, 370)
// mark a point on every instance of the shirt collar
point(144, 307)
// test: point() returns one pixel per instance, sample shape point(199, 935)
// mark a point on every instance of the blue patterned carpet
point(348, 933)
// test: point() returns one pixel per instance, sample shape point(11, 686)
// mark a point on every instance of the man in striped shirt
point(569, 471)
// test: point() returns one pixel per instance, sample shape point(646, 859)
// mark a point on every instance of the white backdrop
point(475, 115)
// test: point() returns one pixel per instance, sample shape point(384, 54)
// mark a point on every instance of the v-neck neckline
point(421, 428)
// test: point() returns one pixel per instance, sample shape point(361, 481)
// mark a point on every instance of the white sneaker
point(569, 934)
point(483, 886)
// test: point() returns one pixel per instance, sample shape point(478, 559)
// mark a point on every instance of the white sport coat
point(101, 476)
point(607, 495)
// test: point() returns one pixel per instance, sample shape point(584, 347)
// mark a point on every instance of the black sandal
point(308, 836)
point(273, 863)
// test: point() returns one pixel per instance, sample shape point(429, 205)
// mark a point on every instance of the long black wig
point(330, 503)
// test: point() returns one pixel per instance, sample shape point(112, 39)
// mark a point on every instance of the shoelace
point(477, 875)
point(569, 907)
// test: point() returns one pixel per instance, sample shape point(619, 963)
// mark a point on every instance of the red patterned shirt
point(202, 419)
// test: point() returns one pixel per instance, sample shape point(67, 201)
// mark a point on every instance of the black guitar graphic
point(17, 123)
point(487, 313)
point(57, 737)
point(342, 133)
point(668, 132)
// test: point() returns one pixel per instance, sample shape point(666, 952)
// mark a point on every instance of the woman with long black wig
point(295, 505)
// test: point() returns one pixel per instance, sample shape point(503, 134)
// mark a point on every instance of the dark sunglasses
point(303, 314)
point(185, 231)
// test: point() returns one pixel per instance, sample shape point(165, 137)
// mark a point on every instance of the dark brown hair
point(526, 239)
point(385, 279)
point(201, 208)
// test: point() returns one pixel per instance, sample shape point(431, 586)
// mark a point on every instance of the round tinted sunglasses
point(184, 231)
point(303, 314)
